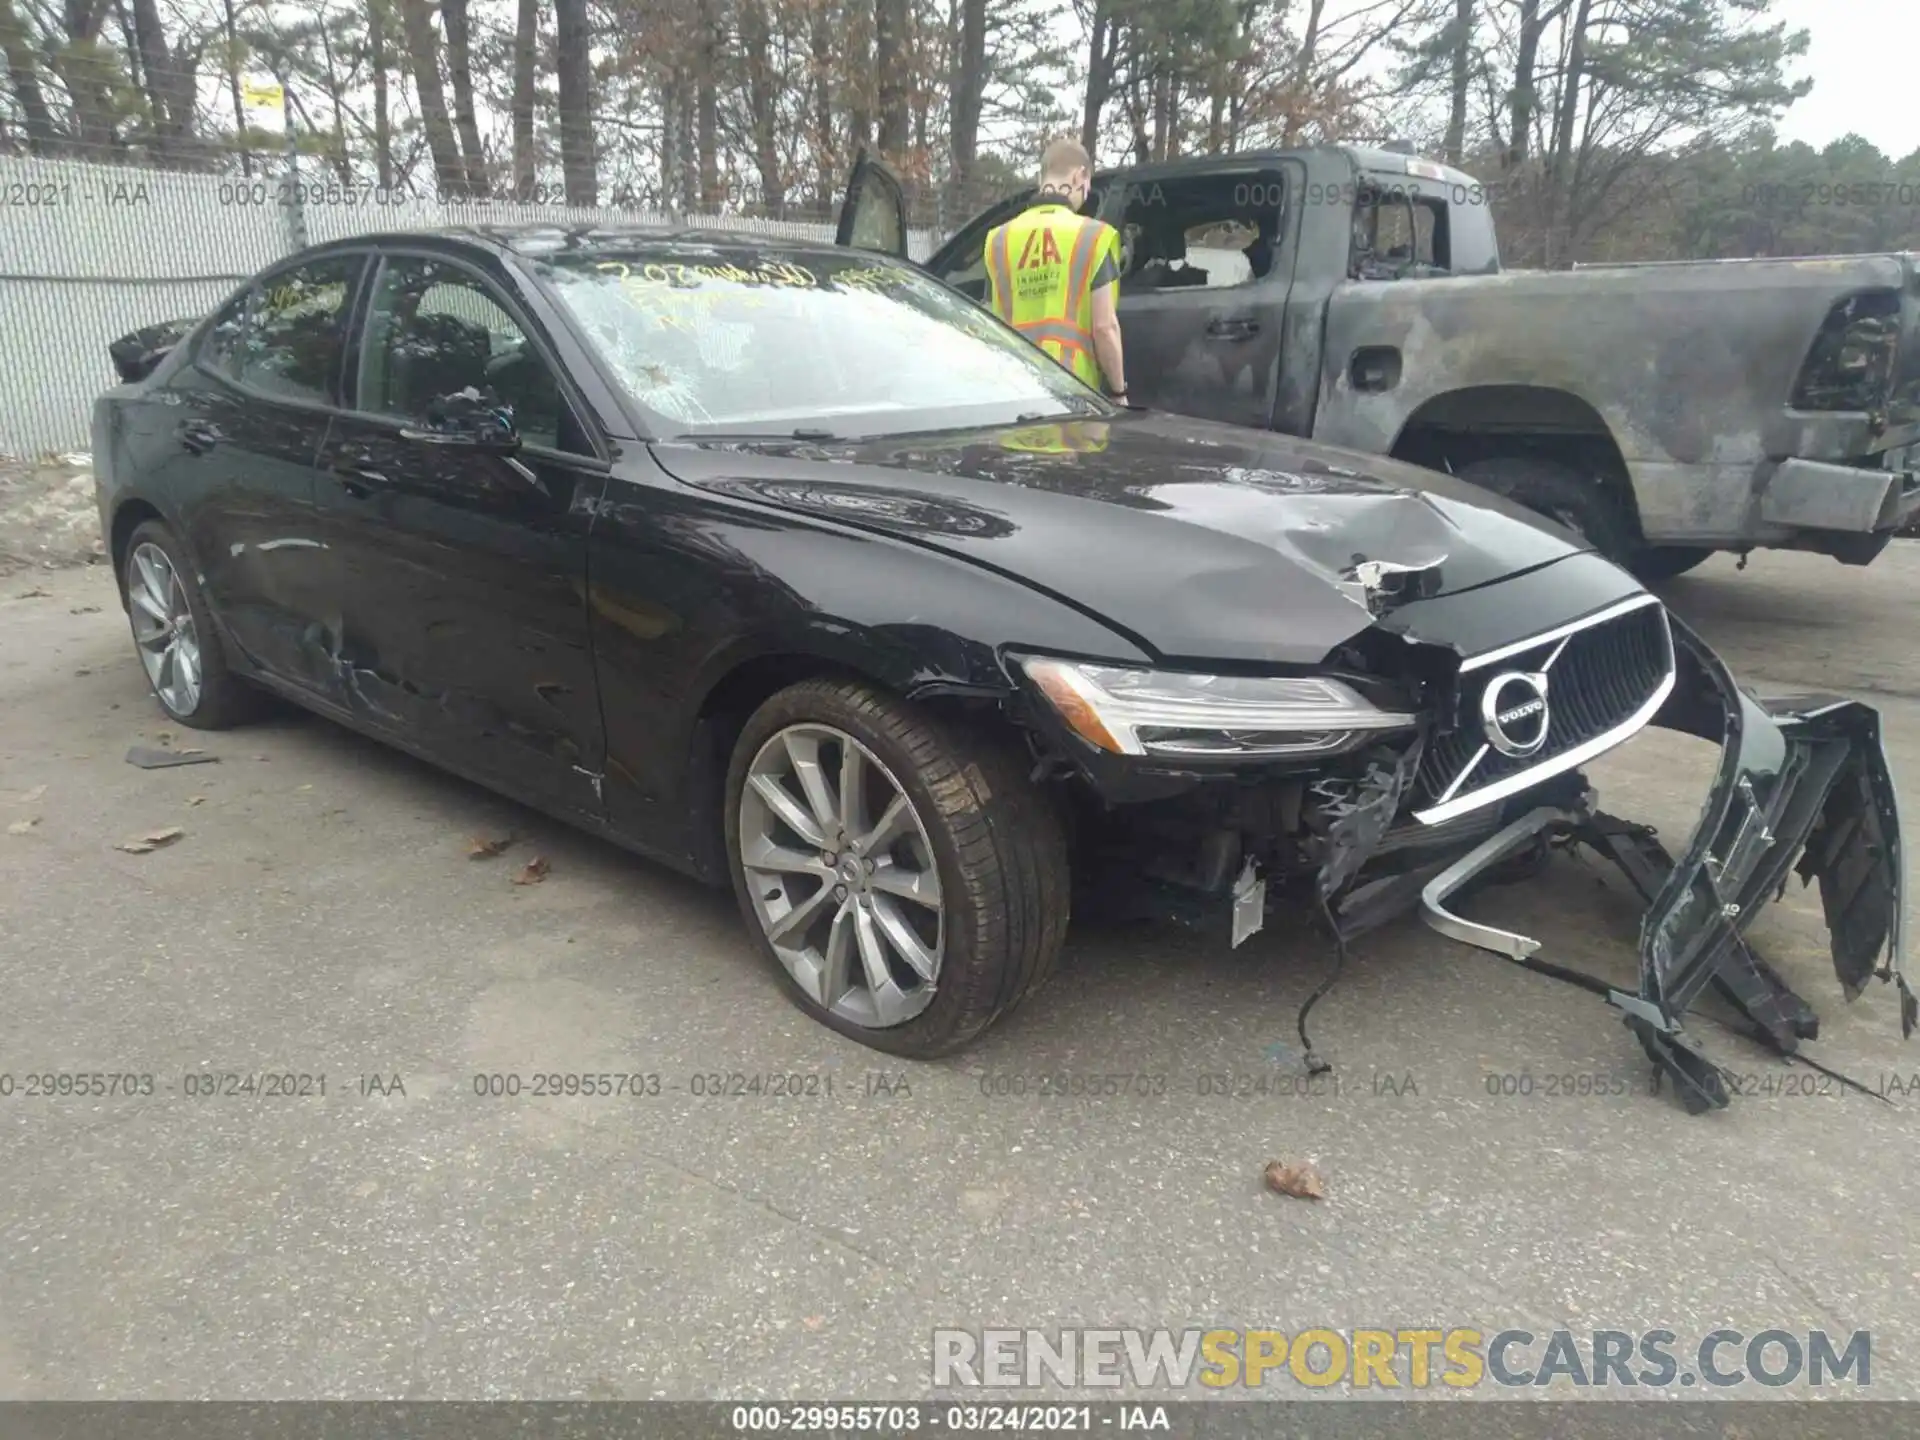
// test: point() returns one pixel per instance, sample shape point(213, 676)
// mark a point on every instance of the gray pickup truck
point(1664, 411)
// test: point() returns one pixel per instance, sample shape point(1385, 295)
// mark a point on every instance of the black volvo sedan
point(787, 566)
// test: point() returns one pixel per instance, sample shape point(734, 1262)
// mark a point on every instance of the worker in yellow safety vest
point(1052, 273)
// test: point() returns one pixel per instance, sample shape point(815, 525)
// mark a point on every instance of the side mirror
point(468, 420)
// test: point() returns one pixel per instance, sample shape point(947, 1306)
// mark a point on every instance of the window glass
point(720, 340)
point(220, 350)
point(434, 329)
point(1398, 233)
point(1210, 232)
point(295, 326)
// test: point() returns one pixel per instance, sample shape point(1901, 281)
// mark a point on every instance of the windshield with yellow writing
point(760, 342)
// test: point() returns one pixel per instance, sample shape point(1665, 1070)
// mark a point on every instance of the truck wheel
point(1663, 562)
point(908, 880)
point(1564, 495)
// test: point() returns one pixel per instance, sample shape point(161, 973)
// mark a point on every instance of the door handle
point(197, 437)
point(1233, 329)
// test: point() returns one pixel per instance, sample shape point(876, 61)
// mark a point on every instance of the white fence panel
point(89, 253)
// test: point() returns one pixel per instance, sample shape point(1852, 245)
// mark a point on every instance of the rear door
point(250, 414)
point(463, 574)
point(1208, 263)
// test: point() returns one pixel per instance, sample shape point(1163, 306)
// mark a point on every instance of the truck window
point(1212, 232)
point(1398, 233)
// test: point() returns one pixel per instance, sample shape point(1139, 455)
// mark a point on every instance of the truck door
point(1203, 290)
point(962, 261)
point(873, 216)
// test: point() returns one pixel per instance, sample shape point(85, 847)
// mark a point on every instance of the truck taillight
point(1850, 365)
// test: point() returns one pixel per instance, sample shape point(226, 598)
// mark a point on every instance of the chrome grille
point(1607, 676)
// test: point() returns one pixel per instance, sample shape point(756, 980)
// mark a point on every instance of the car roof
point(541, 241)
point(1361, 157)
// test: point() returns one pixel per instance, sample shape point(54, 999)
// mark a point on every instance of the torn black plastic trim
point(1802, 777)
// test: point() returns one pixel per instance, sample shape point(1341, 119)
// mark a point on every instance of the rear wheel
point(174, 635)
point(1663, 562)
point(907, 880)
point(1590, 509)
point(1563, 494)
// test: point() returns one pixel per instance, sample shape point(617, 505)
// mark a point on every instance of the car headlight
point(1128, 711)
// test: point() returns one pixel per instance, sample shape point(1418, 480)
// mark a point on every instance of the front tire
point(174, 635)
point(908, 881)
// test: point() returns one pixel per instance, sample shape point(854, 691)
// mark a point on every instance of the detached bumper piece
point(1801, 779)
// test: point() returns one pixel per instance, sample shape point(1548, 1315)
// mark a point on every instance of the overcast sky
point(1865, 64)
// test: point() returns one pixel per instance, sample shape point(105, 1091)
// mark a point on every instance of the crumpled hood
point(1196, 539)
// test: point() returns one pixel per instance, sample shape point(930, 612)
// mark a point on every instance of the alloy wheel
point(163, 628)
point(842, 875)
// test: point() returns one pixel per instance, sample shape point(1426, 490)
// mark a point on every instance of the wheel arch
point(128, 517)
point(746, 678)
point(1481, 422)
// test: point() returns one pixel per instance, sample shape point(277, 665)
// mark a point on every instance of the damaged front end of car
point(1462, 771)
point(1803, 787)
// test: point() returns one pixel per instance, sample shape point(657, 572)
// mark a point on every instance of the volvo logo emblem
point(1513, 708)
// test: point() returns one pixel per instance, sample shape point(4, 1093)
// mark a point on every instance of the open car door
point(874, 214)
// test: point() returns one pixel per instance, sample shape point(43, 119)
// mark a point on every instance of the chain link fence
point(91, 252)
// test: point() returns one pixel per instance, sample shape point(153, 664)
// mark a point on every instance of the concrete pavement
point(321, 917)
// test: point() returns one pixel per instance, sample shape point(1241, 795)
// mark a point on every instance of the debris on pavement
point(21, 827)
point(1301, 1181)
point(48, 519)
point(34, 594)
point(148, 758)
point(533, 872)
point(485, 847)
point(151, 841)
point(84, 610)
point(196, 799)
point(33, 794)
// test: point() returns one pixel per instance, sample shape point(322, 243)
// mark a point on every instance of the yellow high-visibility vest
point(1040, 269)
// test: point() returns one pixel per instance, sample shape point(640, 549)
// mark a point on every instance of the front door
point(1208, 263)
point(464, 611)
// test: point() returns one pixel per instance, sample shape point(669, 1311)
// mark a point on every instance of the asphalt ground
point(403, 1236)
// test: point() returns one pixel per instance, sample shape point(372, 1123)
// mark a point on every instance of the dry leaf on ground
point(20, 827)
point(196, 799)
point(153, 840)
point(533, 872)
point(1301, 1181)
point(485, 847)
